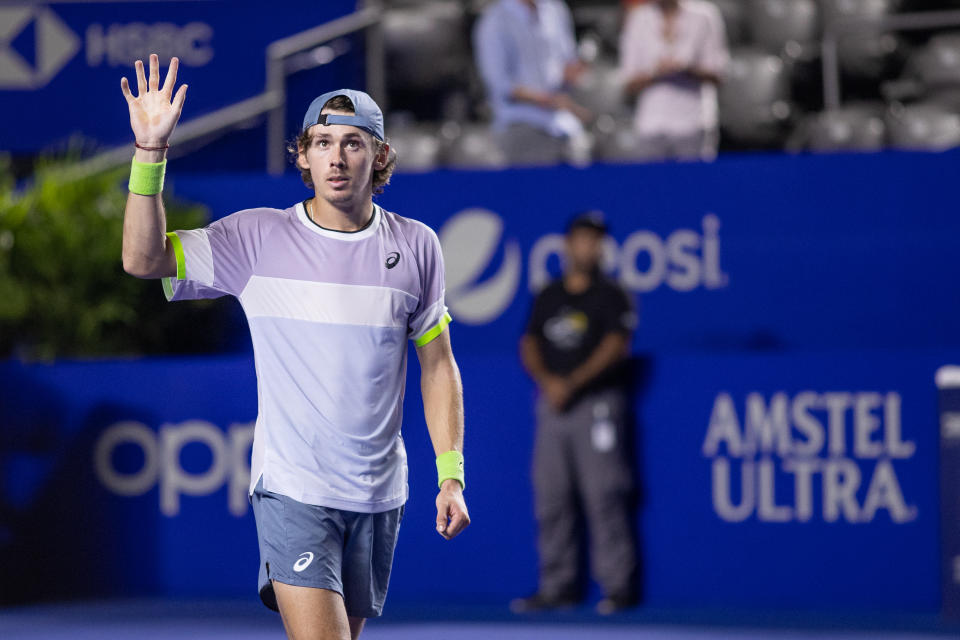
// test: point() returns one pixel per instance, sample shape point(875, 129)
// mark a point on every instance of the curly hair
point(381, 177)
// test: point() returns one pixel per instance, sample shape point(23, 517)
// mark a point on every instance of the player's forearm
point(146, 252)
point(613, 348)
point(442, 392)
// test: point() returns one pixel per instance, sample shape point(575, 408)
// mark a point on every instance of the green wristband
point(450, 466)
point(146, 178)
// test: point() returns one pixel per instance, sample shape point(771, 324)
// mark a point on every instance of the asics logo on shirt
point(392, 259)
point(303, 562)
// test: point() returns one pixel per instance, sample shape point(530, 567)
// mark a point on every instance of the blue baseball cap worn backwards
point(366, 113)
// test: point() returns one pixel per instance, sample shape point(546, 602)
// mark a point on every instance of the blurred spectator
point(672, 56)
point(575, 348)
point(527, 56)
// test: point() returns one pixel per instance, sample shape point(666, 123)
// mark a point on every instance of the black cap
point(588, 220)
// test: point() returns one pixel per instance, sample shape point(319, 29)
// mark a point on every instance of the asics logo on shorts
point(303, 562)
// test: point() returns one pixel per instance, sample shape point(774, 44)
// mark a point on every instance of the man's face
point(584, 249)
point(341, 159)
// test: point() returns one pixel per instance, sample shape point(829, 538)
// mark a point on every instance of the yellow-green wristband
point(450, 466)
point(146, 178)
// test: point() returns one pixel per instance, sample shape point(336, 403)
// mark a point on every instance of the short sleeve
point(619, 314)
point(431, 316)
point(218, 259)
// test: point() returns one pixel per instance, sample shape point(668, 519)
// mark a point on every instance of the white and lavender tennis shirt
point(329, 313)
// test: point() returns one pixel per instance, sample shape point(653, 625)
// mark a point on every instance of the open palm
point(154, 112)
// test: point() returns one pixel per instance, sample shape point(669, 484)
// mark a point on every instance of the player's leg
point(312, 614)
point(605, 476)
point(356, 626)
point(301, 563)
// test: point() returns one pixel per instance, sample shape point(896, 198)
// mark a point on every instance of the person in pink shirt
point(673, 54)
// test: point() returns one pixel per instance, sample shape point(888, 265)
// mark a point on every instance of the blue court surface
point(167, 620)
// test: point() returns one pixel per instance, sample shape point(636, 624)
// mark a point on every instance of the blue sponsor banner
point(948, 381)
point(61, 62)
point(780, 481)
point(757, 253)
point(787, 419)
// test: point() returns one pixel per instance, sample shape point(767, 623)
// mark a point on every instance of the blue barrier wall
point(793, 314)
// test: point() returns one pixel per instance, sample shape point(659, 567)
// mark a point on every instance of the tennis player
point(332, 288)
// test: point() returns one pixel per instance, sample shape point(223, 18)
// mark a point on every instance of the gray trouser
point(527, 146)
point(581, 460)
point(698, 145)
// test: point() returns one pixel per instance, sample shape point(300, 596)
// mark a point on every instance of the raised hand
point(154, 112)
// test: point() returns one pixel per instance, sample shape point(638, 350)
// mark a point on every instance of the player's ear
point(383, 157)
point(302, 145)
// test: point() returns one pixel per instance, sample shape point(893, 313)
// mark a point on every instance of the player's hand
point(452, 516)
point(155, 111)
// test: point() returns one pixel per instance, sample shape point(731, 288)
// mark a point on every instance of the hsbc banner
point(61, 62)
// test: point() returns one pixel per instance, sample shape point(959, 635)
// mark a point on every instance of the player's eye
point(353, 144)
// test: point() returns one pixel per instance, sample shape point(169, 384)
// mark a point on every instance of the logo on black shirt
point(392, 259)
point(567, 328)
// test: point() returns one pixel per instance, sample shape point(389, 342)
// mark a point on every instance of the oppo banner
point(786, 413)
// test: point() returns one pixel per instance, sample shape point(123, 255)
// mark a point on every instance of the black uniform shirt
point(569, 327)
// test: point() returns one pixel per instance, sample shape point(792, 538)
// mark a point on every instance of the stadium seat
point(615, 141)
point(938, 63)
point(471, 146)
point(600, 89)
point(755, 104)
point(418, 147)
point(947, 97)
point(923, 127)
point(734, 19)
point(775, 24)
point(855, 127)
point(865, 54)
point(603, 21)
point(427, 47)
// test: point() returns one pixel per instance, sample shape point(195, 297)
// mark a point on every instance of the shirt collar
point(348, 236)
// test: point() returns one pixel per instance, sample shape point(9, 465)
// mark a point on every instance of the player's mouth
point(338, 181)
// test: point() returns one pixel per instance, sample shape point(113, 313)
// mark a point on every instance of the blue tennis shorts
point(310, 546)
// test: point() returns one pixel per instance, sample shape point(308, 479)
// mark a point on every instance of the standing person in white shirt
point(672, 57)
